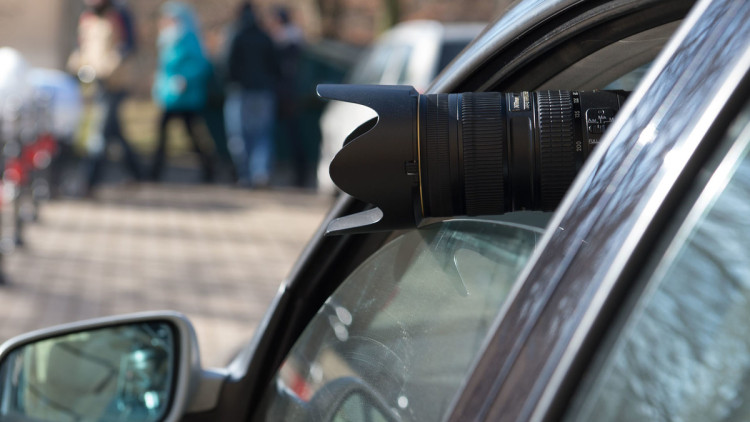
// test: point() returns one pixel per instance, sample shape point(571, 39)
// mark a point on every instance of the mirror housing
point(145, 362)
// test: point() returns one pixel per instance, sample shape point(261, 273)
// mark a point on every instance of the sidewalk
point(215, 253)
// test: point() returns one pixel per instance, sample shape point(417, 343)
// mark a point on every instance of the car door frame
point(607, 225)
point(504, 50)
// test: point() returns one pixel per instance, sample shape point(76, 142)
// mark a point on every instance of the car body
point(14, 82)
point(410, 53)
point(66, 102)
point(629, 302)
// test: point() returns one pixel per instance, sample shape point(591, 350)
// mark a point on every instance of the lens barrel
point(491, 153)
point(442, 155)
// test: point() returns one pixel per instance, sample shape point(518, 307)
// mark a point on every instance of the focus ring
point(556, 146)
point(483, 139)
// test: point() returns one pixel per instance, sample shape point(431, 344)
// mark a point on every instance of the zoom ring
point(483, 134)
point(437, 155)
point(556, 146)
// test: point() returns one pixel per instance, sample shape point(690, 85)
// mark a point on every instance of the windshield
point(404, 328)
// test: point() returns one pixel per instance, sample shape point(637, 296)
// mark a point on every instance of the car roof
point(517, 20)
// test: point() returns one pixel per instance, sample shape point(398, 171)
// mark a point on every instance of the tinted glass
point(382, 65)
point(449, 51)
point(684, 351)
point(370, 69)
point(630, 80)
point(405, 327)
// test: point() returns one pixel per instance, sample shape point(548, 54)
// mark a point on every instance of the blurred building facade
point(360, 21)
point(40, 29)
point(45, 30)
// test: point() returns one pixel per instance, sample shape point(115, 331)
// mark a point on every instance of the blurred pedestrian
point(106, 43)
point(289, 40)
point(213, 114)
point(180, 82)
point(252, 70)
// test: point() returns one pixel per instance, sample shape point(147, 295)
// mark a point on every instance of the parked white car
point(15, 87)
point(22, 88)
point(63, 93)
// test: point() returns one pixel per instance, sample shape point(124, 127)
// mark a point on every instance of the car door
point(329, 260)
point(679, 346)
point(604, 259)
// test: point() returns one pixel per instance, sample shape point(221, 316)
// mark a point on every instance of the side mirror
point(140, 367)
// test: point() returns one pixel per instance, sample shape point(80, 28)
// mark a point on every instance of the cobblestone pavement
point(216, 254)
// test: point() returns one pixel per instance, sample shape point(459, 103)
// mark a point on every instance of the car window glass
point(397, 65)
point(403, 75)
point(629, 81)
point(683, 353)
point(619, 65)
point(370, 70)
point(383, 65)
point(402, 331)
point(449, 51)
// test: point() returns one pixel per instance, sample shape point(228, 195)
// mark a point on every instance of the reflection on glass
point(630, 80)
point(407, 323)
point(684, 352)
point(111, 374)
point(356, 407)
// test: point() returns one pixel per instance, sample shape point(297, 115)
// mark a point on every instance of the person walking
point(252, 69)
point(180, 82)
point(290, 45)
point(106, 43)
point(213, 113)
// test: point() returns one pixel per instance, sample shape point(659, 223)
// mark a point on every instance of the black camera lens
point(490, 153)
point(441, 155)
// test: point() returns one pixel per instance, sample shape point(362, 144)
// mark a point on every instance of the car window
point(449, 51)
point(370, 70)
point(382, 65)
point(619, 65)
point(403, 329)
point(683, 352)
point(630, 80)
point(399, 61)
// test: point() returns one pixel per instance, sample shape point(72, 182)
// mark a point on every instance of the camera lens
point(490, 153)
point(442, 155)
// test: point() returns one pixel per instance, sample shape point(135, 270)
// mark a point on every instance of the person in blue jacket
point(181, 81)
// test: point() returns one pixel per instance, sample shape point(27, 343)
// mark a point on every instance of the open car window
point(619, 65)
point(404, 328)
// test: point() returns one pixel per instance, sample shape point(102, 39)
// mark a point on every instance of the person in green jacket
point(181, 81)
